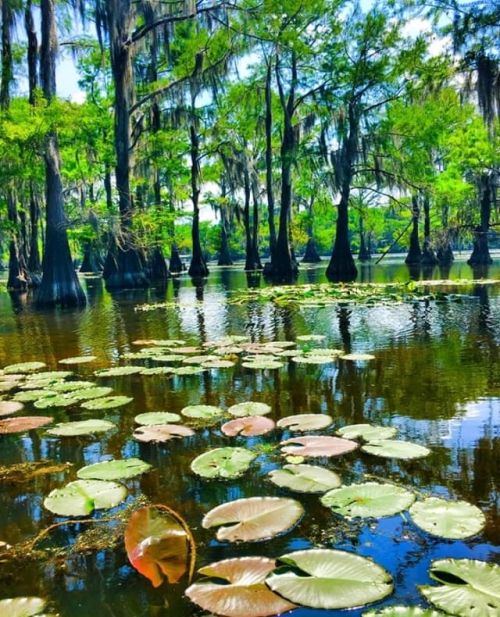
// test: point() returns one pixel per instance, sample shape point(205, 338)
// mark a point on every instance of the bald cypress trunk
point(198, 267)
point(224, 252)
point(480, 253)
point(269, 161)
point(414, 256)
point(428, 255)
point(311, 255)
point(60, 285)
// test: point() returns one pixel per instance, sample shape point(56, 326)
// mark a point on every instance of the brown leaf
point(313, 445)
point(161, 433)
point(249, 426)
point(23, 423)
point(9, 407)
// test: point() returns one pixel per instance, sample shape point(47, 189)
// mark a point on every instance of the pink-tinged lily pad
point(313, 445)
point(160, 433)
point(249, 426)
point(7, 408)
point(305, 422)
point(244, 593)
point(23, 424)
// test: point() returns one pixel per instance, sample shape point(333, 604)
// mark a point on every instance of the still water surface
point(436, 377)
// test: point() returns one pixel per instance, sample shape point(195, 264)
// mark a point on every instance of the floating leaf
point(250, 426)
point(305, 478)
point(29, 396)
point(263, 364)
point(158, 370)
point(22, 424)
point(403, 611)
point(158, 544)
point(243, 591)
point(249, 409)
point(205, 412)
point(448, 519)
point(157, 417)
point(22, 607)
point(107, 402)
point(368, 432)
point(218, 364)
point(82, 497)
point(159, 433)
point(357, 357)
point(168, 359)
point(189, 370)
point(7, 408)
point(83, 427)
point(329, 579)
point(198, 359)
point(59, 400)
point(254, 519)
point(24, 367)
point(394, 448)
point(368, 499)
point(311, 359)
point(78, 360)
point(88, 394)
point(294, 460)
point(71, 386)
point(312, 445)
point(54, 375)
point(222, 463)
point(305, 422)
point(119, 469)
point(118, 371)
point(307, 338)
point(468, 588)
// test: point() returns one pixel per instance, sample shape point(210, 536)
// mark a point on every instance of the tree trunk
point(255, 224)
point(480, 253)
point(224, 252)
point(60, 284)
point(428, 256)
point(364, 248)
point(29, 25)
point(198, 267)
point(7, 22)
point(414, 256)
point(311, 255)
point(18, 279)
point(176, 265)
point(250, 263)
point(444, 252)
point(269, 162)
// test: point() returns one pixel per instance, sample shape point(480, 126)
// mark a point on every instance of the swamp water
point(435, 377)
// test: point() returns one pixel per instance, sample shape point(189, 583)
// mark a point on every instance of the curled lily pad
point(7, 408)
point(82, 497)
point(24, 367)
point(468, 588)
point(83, 427)
point(368, 499)
point(107, 402)
point(368, 432)
point(118, 371)
point(305, 422)
point(249, 409)
point(157, 417)
point(448, 519)
point(60, 400)
point(78, 360)
point(22, 424)
point(243, 591)
point(226, 463)
point(119, 469)
point(329, 579)
point(312, 445)
point(305, 478)
point(160, 433)
point(29, 396)
point(395, 448)
point(357, 357)
point(204, 412)
point(403, 611)
point(22, 607)
point(254, 519)
point(250, 426)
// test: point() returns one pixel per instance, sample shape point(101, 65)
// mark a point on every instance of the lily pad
point(263, 365)
point(250, 426)
point(107, 402)
point(226, 463)
point(118, 371)
point(305, 478)
point(119, 469)
point(54, 375)
point(60, 400)
point(7, 408)
point(157, 370)
point(305, 422)
point(83, 427)
point(448, 519)
point(82, 497)
point(168, 358)
point(78, 360)
point(357, 357)
point(368, 499)
point(312, 445)
point(468, 588)
point(308, 338)
point(395, 448)
point(218, 364)
point(253, 519)
point(29, 396)
point(71, 386)
point(243, 591)
point(189, 370)
point(368, 432)
point(404, 611)
point(88, 394)
point(21, 424)
point(160, 433)
point(24, 367)
point(312, 359)
point(22, 607)
point(204, 412)
point(157, 417)
point(329, 579)
point(249, 409)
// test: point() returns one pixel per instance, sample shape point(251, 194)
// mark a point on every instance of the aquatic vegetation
point(404, 611)
point(394, 448)
point(114, 470)
point(78, 360)
point(249, 426)
point(253, 519)
point(7, 408)
point(118, 371)
point(447, 519)
point(305, 422)
point(24, 367)
point(312, 445)
point(367, 432)
point(305, 478)
point(204, 412)
point(161, 433)
point(82, 427)
point(22, 607)
point(21, 424)
point(249, 408)
point(59, 400)
point(82, 497)
point(368, 499)
point(107, 402)
point(26, 472)
point(157, 417)
point(228, 463)
point(358, 357)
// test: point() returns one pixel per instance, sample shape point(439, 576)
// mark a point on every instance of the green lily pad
point(118, 371)
point(218, 364)
point(204, 412)
point(119, 469)
point(157, 370)
point(312, 359)
point(29, 396)
point(82, 497)
point(305, 478)
point(254, 519)
point(88, 394)
point(189, 370)
point(60, 400)
point(107, 402)
point(357, 357)
point(305, 422)
point(54, 375)
point(448, 519)
point(368, 432)
point(468, 588)
point(228, 463)
point(157, 417)
point(249, 408)
point(404, 611)
point(78, 360)
point(24, 367)
point(83, 427)
point(368, 499)
point(263, 365)
point(394, 448)
point(329, 579)
point(22, 607)
point(71, 386)
point(311, 338)
point(168, 358)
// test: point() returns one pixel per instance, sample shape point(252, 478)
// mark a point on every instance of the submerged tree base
point(198, 269)
point(480, 253)
point(281, 272)
point(124, 269)
point(157, 266)
point(176, 265)
point(311, 255)
point(341, 270)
